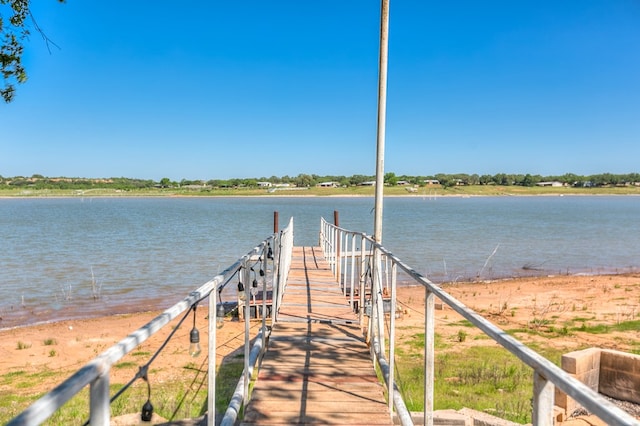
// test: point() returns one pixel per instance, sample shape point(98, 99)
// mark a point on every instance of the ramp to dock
point(317, 369)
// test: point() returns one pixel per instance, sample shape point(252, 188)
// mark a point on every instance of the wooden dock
point(317, 369)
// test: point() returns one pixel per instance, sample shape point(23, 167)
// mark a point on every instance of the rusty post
point(275, 222)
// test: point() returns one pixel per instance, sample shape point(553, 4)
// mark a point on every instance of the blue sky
point(217, 90)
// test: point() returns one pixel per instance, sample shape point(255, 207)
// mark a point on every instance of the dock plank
point(317, 369)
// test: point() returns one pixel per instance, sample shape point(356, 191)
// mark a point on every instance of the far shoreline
point(429, 191)
point(133, 196)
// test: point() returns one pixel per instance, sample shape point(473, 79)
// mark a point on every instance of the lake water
point(147, 253)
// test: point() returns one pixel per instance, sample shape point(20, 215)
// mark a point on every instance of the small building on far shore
point(553, 184)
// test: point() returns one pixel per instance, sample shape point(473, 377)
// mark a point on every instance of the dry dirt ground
point(556, 306)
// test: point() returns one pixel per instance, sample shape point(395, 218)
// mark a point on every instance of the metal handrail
point(253, 354)
point(546, 374)
point(95, 374)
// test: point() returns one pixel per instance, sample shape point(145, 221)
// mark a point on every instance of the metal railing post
point(277, 277)
point(386, 275)
point(379, 299)
point(392, 338)
point(344, 249)
point(334, 251)
point(263, 274)
point(342, 273)
point(211, 381)
point(275, 288)
point(543, 398)
point(329, 238)
point(247, 317)
point(338, 272)
point(376, 320)
point(353, 268)
point(372, 313)
point(429, 355)
point(345, 258)
point(363, 277)
point(325, 237)
point(282, 265)
point(100, 412)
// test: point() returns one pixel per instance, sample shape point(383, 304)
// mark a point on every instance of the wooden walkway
point(317, 369)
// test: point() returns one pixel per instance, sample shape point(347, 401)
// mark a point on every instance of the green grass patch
point(9, 377)
point(415, 346)
point(483, 378)
point(481, 337)
point(126, 364)
point(560, 331)
point(11, 405)
point(593, 329)
point(22, 380)
point(633, 325)
point(184, 398)
point(226, 381)
point(22, 345)
point(461, 323)
point(547, 331)
point(582, 319)
point(552, 354)
point(417, 342)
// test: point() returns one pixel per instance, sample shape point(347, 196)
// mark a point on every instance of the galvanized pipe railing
point(253, 354)
point(95, 374)
point(546, 374)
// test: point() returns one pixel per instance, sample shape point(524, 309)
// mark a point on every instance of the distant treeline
point(305, 180)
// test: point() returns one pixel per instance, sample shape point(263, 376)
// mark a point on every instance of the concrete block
point(440, 418)
point(578, 362)
point(620, 385)
point(591, 378)
point(583, 365)
point(480, 418)
point(621, 361)
point(612, 373)
point(563, 401)
point(450, 417)
point(619, 375)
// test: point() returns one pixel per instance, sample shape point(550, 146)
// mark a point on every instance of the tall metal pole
point(382, 117)
point(377, 314)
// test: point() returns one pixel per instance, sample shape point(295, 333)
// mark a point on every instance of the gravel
point(628, 407)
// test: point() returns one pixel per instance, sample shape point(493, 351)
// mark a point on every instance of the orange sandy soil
point(543, 306)
point(553, 302)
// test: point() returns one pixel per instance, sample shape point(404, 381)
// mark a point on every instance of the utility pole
point(382, 117)
point(376, 320)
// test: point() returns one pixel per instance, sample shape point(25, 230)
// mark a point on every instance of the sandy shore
point(561, 301)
